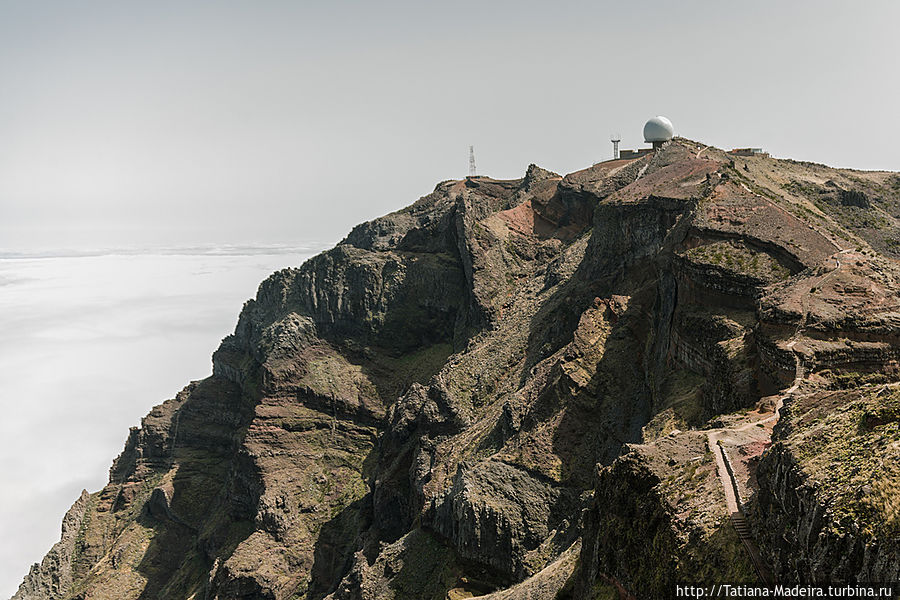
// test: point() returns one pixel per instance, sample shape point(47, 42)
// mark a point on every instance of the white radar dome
point(658, 129)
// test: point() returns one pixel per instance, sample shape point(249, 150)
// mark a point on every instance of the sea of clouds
point(90, 340)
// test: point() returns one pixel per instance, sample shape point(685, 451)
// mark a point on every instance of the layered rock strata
point(504, 390)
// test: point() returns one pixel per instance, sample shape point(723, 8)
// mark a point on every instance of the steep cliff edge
point(506, 389)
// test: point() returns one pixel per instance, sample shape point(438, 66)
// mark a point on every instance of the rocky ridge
point(501, 391)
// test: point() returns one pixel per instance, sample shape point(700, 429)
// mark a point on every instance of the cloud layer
point(89, 345)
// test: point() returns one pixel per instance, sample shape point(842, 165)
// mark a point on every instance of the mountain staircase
point(741, 526)
point(739, 521)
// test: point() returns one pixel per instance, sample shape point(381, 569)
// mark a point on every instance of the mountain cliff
point(677, 367)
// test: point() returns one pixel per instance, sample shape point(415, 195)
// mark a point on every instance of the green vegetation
point(854, 217)
point(732, 563)
point(685, 479)
point(648, 540)
point(852, 452)
point(863, 208)
point(848, 380)
point(604, 591)
point(802, 188)
point(416, 366)
point(737, 258)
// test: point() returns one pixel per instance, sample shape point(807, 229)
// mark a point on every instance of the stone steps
point(741, 525)
point(739, 521)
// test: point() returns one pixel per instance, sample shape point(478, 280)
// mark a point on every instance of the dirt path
point(714, 436)
point(732, 496)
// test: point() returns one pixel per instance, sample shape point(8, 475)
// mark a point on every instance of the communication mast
point(615, 138)
point(471, 161)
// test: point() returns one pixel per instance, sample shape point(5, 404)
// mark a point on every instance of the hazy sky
point(163, 123)
point(275, 121)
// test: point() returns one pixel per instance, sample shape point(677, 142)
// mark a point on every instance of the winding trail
point(732, 495)
point(724, 470)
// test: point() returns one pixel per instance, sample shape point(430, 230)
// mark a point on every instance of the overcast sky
point(223, 121)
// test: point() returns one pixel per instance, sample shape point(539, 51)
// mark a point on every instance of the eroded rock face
point(828, 487)
point(493, 391)
point(500, 516)
point(53, 577)
point(658, 518)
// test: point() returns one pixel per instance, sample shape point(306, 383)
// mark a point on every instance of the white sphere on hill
point(658, 129)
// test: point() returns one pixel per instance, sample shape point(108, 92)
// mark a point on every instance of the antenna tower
point(471, 161)
point(615, 138)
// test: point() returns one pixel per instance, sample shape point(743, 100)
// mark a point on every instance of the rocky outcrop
point(418, 566)
point(827, 505)
point(494, 392)
point(658, 518)
point(52, 578)
point(500, 516)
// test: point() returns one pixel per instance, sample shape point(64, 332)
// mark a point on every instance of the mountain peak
point(680, 366)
